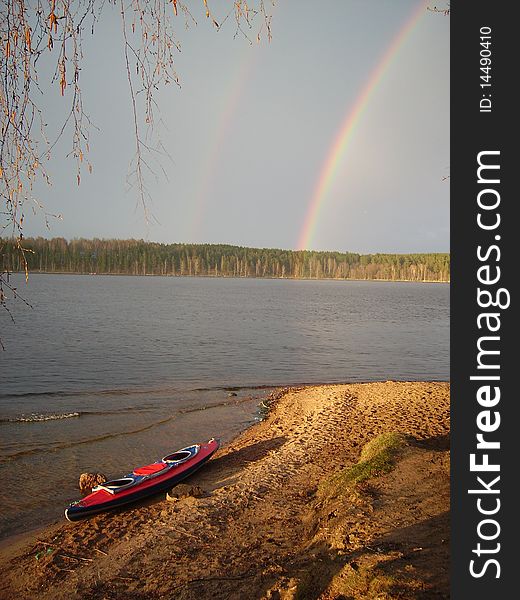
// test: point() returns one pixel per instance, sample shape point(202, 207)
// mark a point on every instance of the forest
point(138, 257)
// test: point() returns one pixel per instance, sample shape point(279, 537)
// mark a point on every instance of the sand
point(264, 527)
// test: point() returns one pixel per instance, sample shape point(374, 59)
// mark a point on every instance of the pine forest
point(138, 257)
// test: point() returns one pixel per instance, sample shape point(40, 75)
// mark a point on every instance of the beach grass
point(377, 457)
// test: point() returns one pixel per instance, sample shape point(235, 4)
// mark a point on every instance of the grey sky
point(252, 126)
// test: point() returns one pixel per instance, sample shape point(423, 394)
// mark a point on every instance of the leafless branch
point(33, 29)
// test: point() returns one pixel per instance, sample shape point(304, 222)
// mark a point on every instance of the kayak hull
point(101, 500)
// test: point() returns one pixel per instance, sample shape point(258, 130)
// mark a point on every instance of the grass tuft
point(377, 458)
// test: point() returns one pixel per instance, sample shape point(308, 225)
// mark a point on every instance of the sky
point(333, 136)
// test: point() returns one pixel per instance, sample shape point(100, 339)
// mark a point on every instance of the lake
point(109, 372)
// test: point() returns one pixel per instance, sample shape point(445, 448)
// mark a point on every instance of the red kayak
point(143, 481)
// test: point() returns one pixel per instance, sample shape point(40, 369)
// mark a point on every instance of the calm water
point(106, 373)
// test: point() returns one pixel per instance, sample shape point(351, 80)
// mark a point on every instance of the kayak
point(144, 481)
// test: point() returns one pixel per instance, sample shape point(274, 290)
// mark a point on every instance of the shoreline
point(260, 525)
point(33, 272)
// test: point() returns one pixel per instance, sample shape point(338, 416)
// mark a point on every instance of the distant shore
point(343, 490)
point(209, 276)
point(137, 257)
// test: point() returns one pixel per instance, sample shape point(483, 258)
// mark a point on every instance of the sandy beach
point(279, 515)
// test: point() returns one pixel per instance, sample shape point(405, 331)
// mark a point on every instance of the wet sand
point(263, 527)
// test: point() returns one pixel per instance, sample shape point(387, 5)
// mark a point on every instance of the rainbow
point(218, 139)
point(348, 128)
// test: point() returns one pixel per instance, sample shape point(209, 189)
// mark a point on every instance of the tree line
point(137, 257)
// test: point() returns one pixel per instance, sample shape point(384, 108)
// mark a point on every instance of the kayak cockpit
point(116, 485)
point(181, 455)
